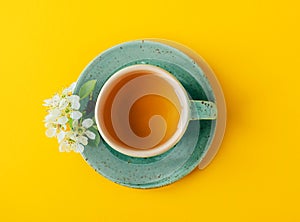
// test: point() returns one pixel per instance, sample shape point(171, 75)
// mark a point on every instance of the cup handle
point(202, 110)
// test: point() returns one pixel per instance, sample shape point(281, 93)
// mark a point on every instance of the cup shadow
point(237, 103)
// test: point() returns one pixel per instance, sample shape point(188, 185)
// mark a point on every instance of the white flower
point(70, 143)
point(61, 107)
point(76, 139)
point(63, 104)
point(90, 134)
point(53, 102)
point(53, 115)
point(61, 136)
point(54, 122)
point(83, 128)
point(51, 132)
point(75, 115)
point(74, 100)
point(69, 90)
point(87, 123)
point(64, 121)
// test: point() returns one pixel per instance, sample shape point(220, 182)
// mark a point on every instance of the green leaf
point(96, 141)
point(71, 123)
point(87, 88)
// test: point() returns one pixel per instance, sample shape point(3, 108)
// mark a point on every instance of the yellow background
point(253, 46)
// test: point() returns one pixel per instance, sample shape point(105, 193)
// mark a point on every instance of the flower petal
point(55, 100)
point(83, 140)
point(51, 132)
point(75, 124)
point(61, 136)
point(90, 134)
point(72, 136)
point(49, 118)
point(47, 102)
point(62, 120)
point(55, 113)
point(63, 104)
point(75, 105)
point(62, 147)
point(66, 147)
point(74, 100)
point(87, 123)
point(76, 115)
point(79, 148)
point(70, 89)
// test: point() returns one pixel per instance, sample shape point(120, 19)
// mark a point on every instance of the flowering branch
point(64, 121)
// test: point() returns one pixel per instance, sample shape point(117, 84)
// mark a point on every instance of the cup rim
point(183, 121)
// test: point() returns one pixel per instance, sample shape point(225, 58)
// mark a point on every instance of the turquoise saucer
point(186, 154)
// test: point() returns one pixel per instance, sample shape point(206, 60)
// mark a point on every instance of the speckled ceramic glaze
point(186, 154)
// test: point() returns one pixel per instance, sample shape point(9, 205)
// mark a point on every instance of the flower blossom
point(63, 123)
point(76, 139)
